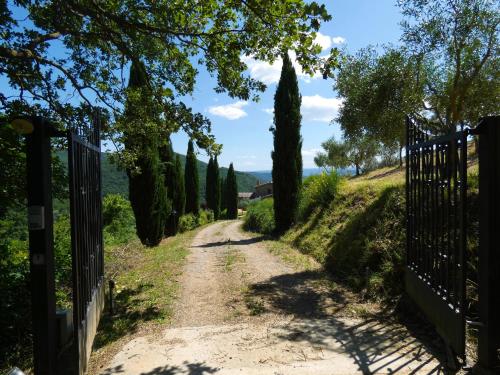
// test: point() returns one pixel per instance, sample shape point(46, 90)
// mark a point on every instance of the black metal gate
point(436, 193)
point(86, 235)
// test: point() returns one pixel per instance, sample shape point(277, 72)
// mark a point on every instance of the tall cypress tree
point(217, 191)
point(147, 192)
point(168, 160)
point(191, 181)
point(209, 185)
point(231, 193)
point(179, 192)
point(287, 158)
point(223, 195)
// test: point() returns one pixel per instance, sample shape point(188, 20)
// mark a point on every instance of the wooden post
point(489, 245)
point(41, 246)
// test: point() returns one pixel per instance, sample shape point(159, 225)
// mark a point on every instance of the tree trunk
point(357, 169)
point(400, 156)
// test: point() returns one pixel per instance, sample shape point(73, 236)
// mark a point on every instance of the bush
point(190, 221)
point(260, 216)
point(317, 191)
point(118, 220)
point(205, 217)
point(187, 222)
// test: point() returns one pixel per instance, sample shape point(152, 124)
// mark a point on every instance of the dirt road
point(243, 310)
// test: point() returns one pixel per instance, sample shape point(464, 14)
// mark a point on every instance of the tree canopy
point(456, 42)
point(53, 51)
point(358, 151)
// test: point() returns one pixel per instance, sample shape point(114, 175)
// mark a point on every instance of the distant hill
point(115, 180)
point(266, 176)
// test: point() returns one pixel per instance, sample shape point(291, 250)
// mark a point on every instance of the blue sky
point(243, 127)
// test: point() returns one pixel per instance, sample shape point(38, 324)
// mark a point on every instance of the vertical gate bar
point(489, 248)
point(407, 192)
point(41, 246)
point(461, 262)
point(73, 194)
point(452, 166)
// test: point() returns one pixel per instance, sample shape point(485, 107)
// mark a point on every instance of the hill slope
point(115, 180)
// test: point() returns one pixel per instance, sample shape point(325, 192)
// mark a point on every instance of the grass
point(291, 256)
point(146, 285)
point(231, 258)
point(360, 236)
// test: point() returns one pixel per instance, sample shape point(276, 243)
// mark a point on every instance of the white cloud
point(319, 108)
point(269, 111)
point(311, 152)
point(323, 40)
point(231, 111)
point(270, 73)
point(338, 40)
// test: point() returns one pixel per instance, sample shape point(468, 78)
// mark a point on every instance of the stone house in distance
point(263, 190)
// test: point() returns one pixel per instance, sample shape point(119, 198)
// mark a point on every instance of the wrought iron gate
point(436, 194)
point(86, 235)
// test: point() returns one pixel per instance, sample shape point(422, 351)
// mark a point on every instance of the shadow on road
point(376, 344)
point(243, 242)
point(187, 369)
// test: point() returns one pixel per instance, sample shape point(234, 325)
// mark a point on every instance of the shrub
point(191, 221)
point(317, 191)
point(187, 222)
point(118, 220)
point(205, 217)
point(260, 216)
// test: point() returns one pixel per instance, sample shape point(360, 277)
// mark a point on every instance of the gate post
point(41, 246)
point(489, 245)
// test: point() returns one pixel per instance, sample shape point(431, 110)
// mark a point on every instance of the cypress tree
point(169, 171)
point(179, 201)
point(231, 193)
point(147, 192)
point(209, 185)
point(217, 191)
point(191, 181)
point(287, 158)
point(223, 192)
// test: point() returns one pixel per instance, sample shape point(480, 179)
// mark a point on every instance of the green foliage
point(191, 181)
point(287, 157)
point(457, 45)
point(15, 303)
point(317, 191)
point(359, 151)
point(179, 191)
point(189, 221)
point(97, 40)
point(13, 171)
point(231, 195)
point(147, 191)
point(260, 216)
point(209, 184)
point(170, 175)
point(378, 92)
point(359, 238)
point(217, 189)
point(118, 220)
point(205, 217)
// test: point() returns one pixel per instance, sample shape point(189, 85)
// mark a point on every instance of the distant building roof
point(245, 195)
point(263, 184)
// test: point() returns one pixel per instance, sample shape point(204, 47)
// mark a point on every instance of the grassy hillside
point(360, 236)
point(115, 180)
